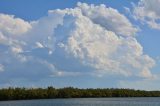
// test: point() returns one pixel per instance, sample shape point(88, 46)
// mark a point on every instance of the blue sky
point(109, 45)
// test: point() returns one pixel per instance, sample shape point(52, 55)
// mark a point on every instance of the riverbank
point(70, 92)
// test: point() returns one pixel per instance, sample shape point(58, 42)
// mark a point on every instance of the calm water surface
point(86, 102)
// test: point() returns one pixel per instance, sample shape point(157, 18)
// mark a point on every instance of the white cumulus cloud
point(102, 49)
point(148, 12)
point(9, 25)
point(108, 18)
point(86, 39)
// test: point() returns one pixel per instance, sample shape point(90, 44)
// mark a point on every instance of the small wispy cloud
point(147, 11)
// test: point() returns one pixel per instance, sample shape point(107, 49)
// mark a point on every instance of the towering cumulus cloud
point(85, 40)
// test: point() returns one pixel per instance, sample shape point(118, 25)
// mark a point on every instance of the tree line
point(70, 92)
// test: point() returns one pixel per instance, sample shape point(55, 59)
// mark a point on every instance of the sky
point(80, 43)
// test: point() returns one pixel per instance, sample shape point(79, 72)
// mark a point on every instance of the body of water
point(86, 102)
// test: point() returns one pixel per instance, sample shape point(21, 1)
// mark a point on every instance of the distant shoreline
point(7, 94)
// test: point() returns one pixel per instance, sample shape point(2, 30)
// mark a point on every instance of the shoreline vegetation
point(70, 92)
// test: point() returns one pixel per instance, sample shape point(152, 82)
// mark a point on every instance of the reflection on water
point(86, 102)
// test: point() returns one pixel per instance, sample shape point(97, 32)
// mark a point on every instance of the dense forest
point(70, 92)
